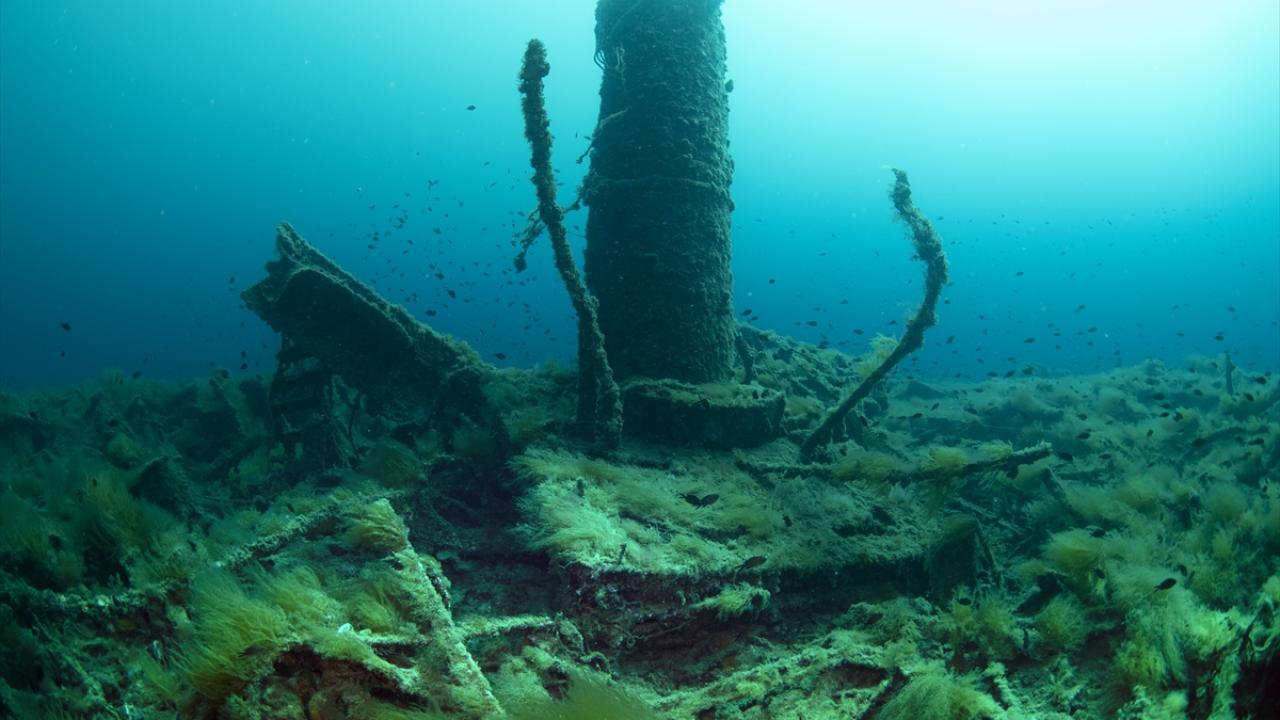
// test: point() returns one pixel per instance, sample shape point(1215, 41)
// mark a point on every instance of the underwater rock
point(658, 250)
point(398, 363)
point(718, 415)
point(164, 483)
point(20, 425)
point(917, 389)
point(307, 407)
point(957, 557)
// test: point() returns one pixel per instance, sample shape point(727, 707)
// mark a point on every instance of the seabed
point(308, 546)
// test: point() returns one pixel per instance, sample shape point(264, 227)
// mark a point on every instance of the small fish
point(500, 356)
point(1066, 456)
point(66, 326)
point(696, 501)
point(754, 561)
point(1166, 584)
point(746, 312)
point(1084, 435)
point(471, 107)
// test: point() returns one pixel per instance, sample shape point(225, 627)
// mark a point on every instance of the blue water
point(1106, 181)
